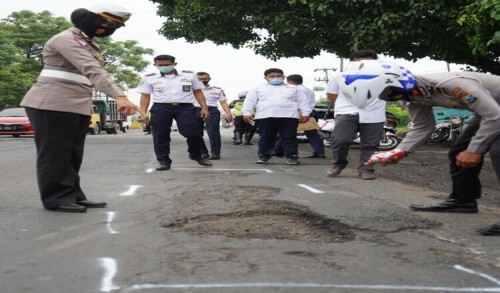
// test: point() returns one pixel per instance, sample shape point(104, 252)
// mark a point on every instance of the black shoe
point(248, 143)
point(163, 166)
point(91, 204)
point(316, 156)
point(201, 161)
point(292, 161)
point(68, 208)
point(450, 205)
point(205, 156)
point(492, 230)
point(214, 157)
point(262, 160)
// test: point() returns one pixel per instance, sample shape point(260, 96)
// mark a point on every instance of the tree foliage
point(22, 37)
point(409, 29)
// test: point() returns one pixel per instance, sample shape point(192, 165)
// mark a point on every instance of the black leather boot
point(248, 138)
point(239, 136)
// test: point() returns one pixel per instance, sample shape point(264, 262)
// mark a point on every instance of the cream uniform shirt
point(170, 88)
point(373, 113)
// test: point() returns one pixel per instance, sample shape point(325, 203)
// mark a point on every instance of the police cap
point(114, 14)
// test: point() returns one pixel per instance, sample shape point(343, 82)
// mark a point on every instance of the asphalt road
point(240, 227)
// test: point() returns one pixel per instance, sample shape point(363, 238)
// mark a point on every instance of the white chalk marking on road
point(131, 190)
point(488, 277)
point(313, 190)
point(306, 285)
point(111, 216)
point(150, 170)
point(219, 169)
point(109, 266)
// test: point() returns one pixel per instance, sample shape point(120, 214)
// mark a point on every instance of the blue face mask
point(276, 81)
point(165, 69)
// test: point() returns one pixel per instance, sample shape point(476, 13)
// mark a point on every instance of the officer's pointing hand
point(125, 106)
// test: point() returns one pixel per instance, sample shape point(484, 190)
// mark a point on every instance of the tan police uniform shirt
point(71, 51)
point(477, 92)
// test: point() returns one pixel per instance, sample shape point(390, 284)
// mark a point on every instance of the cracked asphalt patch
point(247, 212)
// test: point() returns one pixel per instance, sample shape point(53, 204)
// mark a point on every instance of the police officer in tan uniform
point(477, 92)
point(59, 104)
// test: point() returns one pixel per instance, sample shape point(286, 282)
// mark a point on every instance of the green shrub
point(400, 112)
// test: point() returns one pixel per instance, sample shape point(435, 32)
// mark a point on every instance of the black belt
point(178, 104)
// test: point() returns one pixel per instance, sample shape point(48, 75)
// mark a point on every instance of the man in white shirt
point(173, 93)
point(349, 120)
point(278, 108)
point(214, 96)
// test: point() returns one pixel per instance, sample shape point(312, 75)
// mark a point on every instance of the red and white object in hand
point(384, 158)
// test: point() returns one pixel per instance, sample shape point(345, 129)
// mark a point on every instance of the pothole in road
point(272, 220)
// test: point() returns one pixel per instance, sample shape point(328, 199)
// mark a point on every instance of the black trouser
point(59, 140)
point(162, 115)
point(242, 127)
point(466, 186)
point(270, 128)
point(212, 124)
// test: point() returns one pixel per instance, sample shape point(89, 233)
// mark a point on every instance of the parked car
point(15, 122)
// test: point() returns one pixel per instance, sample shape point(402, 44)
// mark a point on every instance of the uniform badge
point(80, 41)
point(464, 96)
point(186, 88)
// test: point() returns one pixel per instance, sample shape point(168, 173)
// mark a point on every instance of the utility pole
point(325, 70)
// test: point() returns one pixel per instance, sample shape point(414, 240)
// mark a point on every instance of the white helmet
point(363, 82)
point(242, 95)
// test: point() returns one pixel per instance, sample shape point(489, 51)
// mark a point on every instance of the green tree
point(124, 60)
point(409, 29)
point(480, 24)
point(22, 36)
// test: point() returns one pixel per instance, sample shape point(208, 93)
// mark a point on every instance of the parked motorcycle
point(448, 130)
point(389, 139)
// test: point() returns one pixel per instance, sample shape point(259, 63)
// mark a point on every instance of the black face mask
point(205, 82)
point(107, 32)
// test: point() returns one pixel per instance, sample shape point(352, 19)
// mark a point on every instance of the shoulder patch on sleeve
point(80, 41)
point(150, 74)
point(464, 96)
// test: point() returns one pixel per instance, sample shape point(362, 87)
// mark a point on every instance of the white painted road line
point(328, 286)
point(111, 216)
point(313, 190)
point(307, 285)
point(131, 190)
point(487, 277)
point(219, 169)
point(109, 266)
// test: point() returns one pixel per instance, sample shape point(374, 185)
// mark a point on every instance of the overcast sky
point(233, 70)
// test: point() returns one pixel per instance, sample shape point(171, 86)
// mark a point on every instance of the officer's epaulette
point(150, 74)
point(187, 71)
point(216, 87)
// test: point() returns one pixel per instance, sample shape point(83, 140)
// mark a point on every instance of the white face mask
point(165, 69)
point(276, 81)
